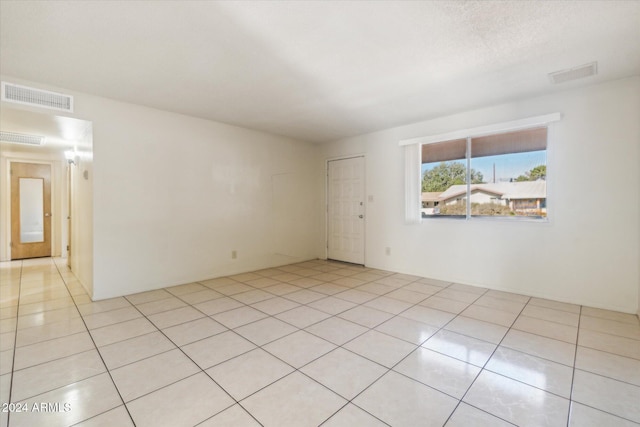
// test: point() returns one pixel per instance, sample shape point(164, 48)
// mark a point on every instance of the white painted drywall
point(587, 253)
point(173, 196)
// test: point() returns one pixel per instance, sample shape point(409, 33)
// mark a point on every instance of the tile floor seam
point(201, 370)
point(15, 340)
point(99, 354)
point(483, 368)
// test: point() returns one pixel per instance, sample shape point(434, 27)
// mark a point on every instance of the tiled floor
point(316, 343)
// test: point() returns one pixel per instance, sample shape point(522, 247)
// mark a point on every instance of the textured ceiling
point(316, 71)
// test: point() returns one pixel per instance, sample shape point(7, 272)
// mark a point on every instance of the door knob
point(360, 216)
point(47, 214)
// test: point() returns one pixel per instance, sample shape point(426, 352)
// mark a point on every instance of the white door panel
point(345, 240)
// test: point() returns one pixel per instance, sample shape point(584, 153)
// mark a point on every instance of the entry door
point(30, 210)
point(345, 210)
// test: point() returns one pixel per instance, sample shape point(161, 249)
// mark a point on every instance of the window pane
point(31, 210)
point(514, 167)
point(444, 172)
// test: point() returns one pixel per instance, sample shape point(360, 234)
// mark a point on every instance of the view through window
point(498, 175)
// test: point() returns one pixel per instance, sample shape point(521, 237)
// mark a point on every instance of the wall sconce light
point(70, 156)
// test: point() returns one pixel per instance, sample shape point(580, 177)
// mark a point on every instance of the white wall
point(587, 253)
point(175, 195)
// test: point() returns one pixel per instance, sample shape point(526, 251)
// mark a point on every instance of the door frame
point(326, 203)
point(54, 206)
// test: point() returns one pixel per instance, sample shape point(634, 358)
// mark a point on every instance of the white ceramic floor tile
point(380, 348)
point(608, 365)
point(200, 296)
point(332, 305)
point(299, 348)
point(444, 304)
point(184, 403)
point(217, 349)
point(466, 415)
point(407, 329)
point(336, 330)
point(606, 394)
point(166, 304)
point(122, 331)
point(253, 296)
point(47, 351)
point(613, 327)
point(449, 293)
point(149, 296)
point(547, 329)
point(428, 315)
point(351, 416)
point(541, 373)
point(611, 315)
point(266, 330)
point(295, 400)
point(185, 289)
point(525, 382)
point(275, 305)
point(366, 316)
point(536, 345)
point(115, 417)
point(501, 304)
point(401, 401)
point(491, 315)
point(302, 317)
point(146, 375)
point(218, 305)
point(556, 305)
point(609, 343)
point(85, 399)
point(110, 317)
point(238, 317)
point(48, 376)
point(448, 375)
point(516, 402)
point(170, 318)
point(196, 330)
point(477, 329)
point(234, 416)
point(389, 305)
point(344, 372)
point(585, 416)
point(248, 373)
point(125, 352)
point(104, 305)
point(551, 315)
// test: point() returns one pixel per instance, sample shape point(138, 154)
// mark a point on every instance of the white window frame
point(413, 161)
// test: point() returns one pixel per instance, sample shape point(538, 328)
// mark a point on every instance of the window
point(493, 175)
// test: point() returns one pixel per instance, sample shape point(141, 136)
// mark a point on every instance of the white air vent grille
point(574, 73)
point(21, 138)
point(36, 97)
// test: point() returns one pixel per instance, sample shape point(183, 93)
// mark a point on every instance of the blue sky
point(507, 165)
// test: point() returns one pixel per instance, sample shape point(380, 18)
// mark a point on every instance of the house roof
point(506, 190)
point(431, 196)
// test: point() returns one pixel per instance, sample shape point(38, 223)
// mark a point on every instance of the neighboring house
point(429, 201)
point(519, 196)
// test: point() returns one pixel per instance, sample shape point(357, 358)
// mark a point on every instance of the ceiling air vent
point(574, 73)
point(36, 97)
point(21, 138)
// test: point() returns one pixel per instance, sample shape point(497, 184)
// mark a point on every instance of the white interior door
point(345, 210)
